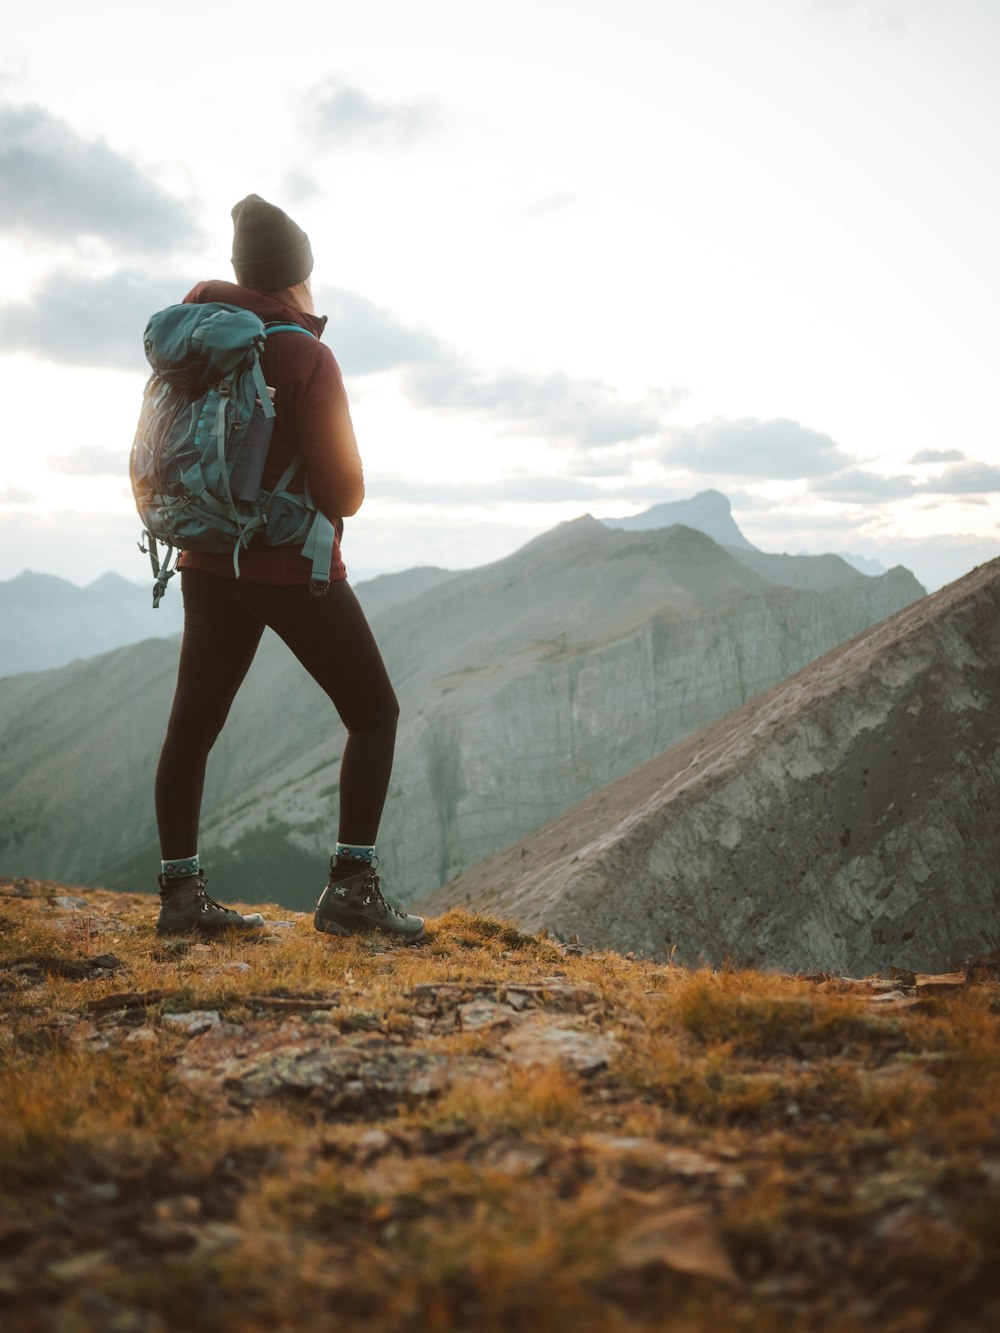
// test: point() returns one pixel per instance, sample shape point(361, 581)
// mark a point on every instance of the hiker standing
point(228, 602)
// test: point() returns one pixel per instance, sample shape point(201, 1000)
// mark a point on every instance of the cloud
point(367, 339)
point(299, 186)
point(56, 185)
point(965, 479)
point(16, 495)
point(938, 456)
point(77, 320)
point(99, 321)
point(581, 413)
point(346, 114)
point(90, 460)
point(856, 486)
point(777, 450)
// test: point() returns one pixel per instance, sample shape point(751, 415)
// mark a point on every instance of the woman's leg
point(220, 639)
point(331, 638)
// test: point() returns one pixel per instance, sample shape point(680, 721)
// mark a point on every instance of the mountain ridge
point(898, 863)
point(524, 686)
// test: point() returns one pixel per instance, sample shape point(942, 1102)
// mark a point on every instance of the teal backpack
point(202, 441)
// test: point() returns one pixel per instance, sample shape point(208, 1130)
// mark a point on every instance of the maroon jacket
point(312, 419)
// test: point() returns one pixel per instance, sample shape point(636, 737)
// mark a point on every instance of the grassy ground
point(486, 1131)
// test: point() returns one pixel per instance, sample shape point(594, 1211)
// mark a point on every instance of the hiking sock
point(180, 867)
point(350, 858)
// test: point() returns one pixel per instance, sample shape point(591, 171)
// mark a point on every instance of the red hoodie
point(312, 419)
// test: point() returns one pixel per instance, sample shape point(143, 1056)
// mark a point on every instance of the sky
point(576, 257)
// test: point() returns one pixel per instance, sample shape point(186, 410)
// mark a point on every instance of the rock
point(141, 1037)
point(224, 968)
point(70, 904)
point(649, 1162)
point(373, 1143)
point(894, 999)
point(554, 991)
point(192, 1022)
point(551, 1044)
point(517, 1159)
point(685, 1239)
point(248, 1064)
point(480, 1015)
point(941, 983)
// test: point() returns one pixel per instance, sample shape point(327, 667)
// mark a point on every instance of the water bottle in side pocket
point(244, 480)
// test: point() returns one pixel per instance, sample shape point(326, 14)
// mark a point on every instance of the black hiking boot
point(351, 904)
point(184, 906)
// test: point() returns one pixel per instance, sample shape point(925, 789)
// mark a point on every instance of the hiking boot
point(186, 906)
point(351, 904)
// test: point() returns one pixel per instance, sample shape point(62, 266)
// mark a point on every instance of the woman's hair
point(299, 297)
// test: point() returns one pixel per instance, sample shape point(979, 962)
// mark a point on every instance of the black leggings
point(223, 623)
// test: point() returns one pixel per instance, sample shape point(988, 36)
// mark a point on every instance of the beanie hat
point(270, 251)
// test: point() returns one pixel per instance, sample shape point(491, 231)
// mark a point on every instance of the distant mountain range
point(847, 819)
point(48, 622)
point(525, 685)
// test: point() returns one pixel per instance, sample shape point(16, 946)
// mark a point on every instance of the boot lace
point(373, 893)
point(206, 901)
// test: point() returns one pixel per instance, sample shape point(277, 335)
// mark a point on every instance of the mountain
point(708, 511)
point(846, 819)
point(821, 573)
point(48, 621)
point(525, 685)
point(864, 564)
point(711, 512)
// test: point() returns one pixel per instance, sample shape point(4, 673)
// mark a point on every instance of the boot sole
point(207, 930)
point(333, 928)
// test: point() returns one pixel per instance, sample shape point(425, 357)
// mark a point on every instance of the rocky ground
point(488, 1130)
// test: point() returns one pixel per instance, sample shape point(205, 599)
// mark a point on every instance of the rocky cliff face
point(848, 819)
point(524, 686)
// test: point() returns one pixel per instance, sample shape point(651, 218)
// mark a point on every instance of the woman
point(225, 616)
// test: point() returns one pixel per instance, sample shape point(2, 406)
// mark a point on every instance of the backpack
point(202, 441)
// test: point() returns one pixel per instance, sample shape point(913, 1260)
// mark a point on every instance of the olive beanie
point(270, 251)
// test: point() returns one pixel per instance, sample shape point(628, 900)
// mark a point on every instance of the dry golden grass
point(364, 1141)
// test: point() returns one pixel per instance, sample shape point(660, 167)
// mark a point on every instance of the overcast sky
point(576, 257)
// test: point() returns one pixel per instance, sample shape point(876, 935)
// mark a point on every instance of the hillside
point(48, 621)
point(525, 686)
point(846, 818)
point(485, 1131)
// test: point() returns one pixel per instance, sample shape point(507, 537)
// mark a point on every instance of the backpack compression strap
point(320, 539)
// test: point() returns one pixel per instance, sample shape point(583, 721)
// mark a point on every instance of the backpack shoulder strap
point(287, 328)
point(258, 374)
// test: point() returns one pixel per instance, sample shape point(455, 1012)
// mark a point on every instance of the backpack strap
point(161, 569)
point(287, 328)
point(318, 547)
